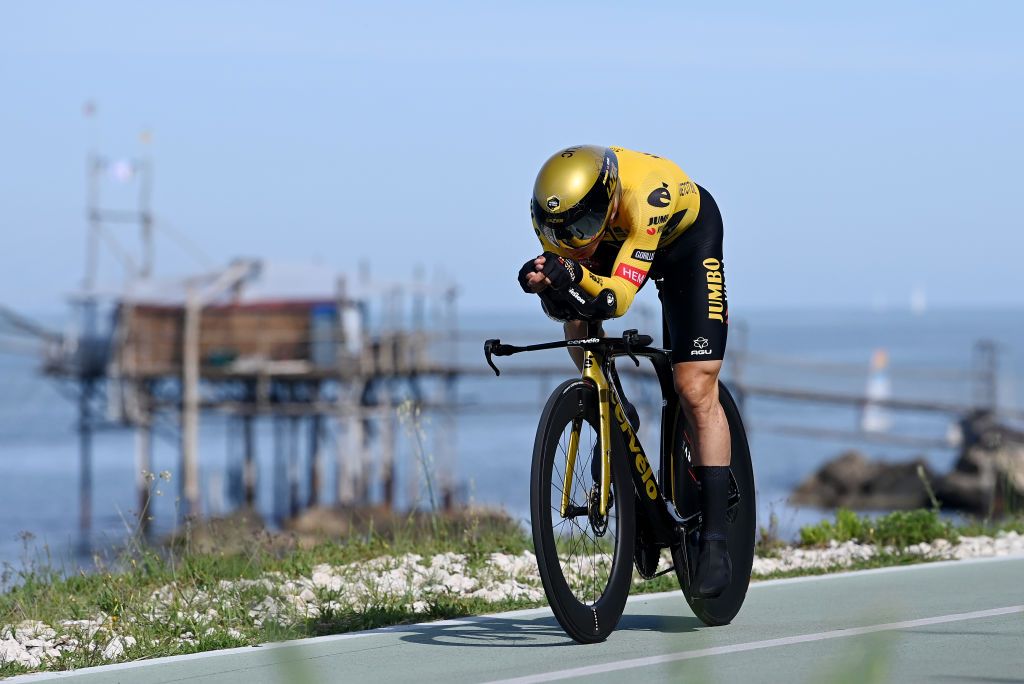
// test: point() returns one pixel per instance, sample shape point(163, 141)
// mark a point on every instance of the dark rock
point(854, 481)
point(988, 477)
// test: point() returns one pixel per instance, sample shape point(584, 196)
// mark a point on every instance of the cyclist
point(609, 220)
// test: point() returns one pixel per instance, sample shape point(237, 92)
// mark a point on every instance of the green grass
point(899, 529)
point(977, 528)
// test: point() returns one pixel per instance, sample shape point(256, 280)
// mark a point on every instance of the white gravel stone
point(10, 650)
point(116, 647)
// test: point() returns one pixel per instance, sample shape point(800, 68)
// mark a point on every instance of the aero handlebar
point(629, 341)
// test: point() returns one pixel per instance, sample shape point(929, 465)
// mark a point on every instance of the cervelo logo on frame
point(640, 462)
point(631, 273)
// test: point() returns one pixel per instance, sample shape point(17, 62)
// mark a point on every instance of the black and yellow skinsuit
point(668, 228)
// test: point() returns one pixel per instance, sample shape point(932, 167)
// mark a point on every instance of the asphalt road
point(942, 622)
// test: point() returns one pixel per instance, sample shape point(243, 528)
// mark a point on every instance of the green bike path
point(951, 621)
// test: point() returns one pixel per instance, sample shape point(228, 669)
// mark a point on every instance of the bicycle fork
point(592, 371)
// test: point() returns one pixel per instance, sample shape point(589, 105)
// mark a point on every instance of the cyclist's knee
point(697, 386)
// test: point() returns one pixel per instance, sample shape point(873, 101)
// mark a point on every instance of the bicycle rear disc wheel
point(585, 558)
point(741, 517)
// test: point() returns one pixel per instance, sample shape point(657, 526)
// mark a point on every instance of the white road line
point(756, 645)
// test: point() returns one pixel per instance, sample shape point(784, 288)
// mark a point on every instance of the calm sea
point(815, 349)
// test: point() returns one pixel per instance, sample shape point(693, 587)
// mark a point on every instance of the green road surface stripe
point(756, 645)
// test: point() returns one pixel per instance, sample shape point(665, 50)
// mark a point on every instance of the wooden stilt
point(144, 471)
point(249, 460)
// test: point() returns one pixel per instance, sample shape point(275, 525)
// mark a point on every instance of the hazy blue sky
point(857, 150)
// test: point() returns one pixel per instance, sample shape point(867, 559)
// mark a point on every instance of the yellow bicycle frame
point(592, 371)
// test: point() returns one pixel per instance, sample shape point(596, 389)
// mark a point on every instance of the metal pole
point(387, 460)
point(146, 217)
point(986, 363)
point(93, 166)
point(280, 469)
point(293, 466)
point(85, 429)
point(448, 411)
point(190, 406)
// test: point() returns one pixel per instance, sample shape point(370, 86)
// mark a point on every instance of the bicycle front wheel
point(585, 557)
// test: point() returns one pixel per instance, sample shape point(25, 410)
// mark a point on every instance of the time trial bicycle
point(598, 505)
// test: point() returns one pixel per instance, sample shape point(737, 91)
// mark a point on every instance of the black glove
point(563, 272)
point(528, 268)
point(556, 307)
point(572, 304)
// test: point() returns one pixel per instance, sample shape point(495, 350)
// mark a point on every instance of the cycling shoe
point(714, 570)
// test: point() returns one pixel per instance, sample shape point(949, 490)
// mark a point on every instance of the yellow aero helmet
point(572, 197)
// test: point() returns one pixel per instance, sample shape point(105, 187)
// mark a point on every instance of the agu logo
point(700, 347)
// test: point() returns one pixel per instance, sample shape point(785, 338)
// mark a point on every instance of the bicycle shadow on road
point(539, 632)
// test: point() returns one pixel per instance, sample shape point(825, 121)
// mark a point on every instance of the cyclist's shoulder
point(644, 168)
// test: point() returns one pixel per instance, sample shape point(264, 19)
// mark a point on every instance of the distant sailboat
point(918, 300)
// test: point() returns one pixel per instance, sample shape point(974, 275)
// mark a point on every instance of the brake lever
point(489, 348)
point(628, 338)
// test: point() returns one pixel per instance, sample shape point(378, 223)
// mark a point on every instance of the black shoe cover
point(714, 570)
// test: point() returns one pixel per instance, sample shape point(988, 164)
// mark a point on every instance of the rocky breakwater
point(854, 481)
point(987, 478)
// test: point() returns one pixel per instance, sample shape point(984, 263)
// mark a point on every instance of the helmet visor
point(575, 228)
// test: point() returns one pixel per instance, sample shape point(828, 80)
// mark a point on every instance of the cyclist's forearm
point(575, 330)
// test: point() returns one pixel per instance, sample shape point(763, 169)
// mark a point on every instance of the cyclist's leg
point(696, 313)
point(575, 330)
